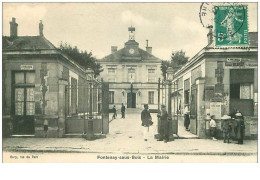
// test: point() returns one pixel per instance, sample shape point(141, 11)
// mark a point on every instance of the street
point(125, 138)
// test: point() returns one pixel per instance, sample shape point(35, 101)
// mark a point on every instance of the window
point(246, 91)
point(151, 97)
point(111, 71)
point(24, 93)
point(131, 75)
point(151, 75)
point(111, 97)
point(111, 74)
point(241, 91)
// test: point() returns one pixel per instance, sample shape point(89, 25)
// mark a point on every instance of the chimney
point(13, 28)
point(148, 49)
point(113, 49)
point(210, 35)
point(40, 28)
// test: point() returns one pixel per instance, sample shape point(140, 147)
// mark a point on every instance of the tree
point(83, 58)
point(178, 59)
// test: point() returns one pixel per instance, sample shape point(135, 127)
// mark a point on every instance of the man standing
point(164, 125)
point(146, 121)
point(240, 127)
point(123, 111)
point(114, 112)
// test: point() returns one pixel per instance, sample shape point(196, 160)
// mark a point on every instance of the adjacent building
point(133, 74)
point(40, 82)
point(219, 80)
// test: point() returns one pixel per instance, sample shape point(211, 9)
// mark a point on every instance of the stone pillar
point(61, 107)
point(201, 123)
point(255, 92)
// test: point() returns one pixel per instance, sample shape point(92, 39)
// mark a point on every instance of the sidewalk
point(129, 145)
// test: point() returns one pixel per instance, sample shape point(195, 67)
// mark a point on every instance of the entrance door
point(193, 110)
point(131, 100)
point(24, 111)
point(241, 91)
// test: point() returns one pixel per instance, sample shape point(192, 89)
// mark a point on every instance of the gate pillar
point(105, 107)
point(61, 107)
point(201, 124)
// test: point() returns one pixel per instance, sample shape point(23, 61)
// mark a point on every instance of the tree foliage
point(83, 58)
point(178, 59)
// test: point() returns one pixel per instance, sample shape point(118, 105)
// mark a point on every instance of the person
point(123, 111)
point(45, 127)
point(187, 120)
point(240, 127)
point(226, 127)
point(164, 125)
point(114, 111)
point(213, 127)
point(146, 121)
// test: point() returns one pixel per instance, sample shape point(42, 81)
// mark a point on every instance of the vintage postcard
point(129, 82)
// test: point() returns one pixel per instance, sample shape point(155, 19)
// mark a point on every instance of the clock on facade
point(131, 51)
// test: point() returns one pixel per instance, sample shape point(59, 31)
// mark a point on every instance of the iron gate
point(86, 107)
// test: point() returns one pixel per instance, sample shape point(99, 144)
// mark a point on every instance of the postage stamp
point(231, 27)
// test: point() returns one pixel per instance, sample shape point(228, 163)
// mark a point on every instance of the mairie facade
point(133, 75)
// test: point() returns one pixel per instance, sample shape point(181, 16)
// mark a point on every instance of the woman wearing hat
point(240, 127)
point(226, 127)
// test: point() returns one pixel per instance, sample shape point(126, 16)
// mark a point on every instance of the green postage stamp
point(231, 27)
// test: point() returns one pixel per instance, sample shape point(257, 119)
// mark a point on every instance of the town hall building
point(133, 75)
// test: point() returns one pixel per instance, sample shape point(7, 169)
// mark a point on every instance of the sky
point(98, 26)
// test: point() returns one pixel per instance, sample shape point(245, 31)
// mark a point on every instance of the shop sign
point(26, 67)
point(233, 62)
point(215, 109)
point(251, 64)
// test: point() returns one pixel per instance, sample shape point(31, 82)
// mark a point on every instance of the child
point(213, 127)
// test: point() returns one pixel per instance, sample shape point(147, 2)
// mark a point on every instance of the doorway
point(23, 104)
point(131, 100)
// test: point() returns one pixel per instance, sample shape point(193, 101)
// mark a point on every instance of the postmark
point(228, 22)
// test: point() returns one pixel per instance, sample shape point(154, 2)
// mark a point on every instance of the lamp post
point(169, 77)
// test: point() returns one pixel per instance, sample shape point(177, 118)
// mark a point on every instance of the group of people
point(115, 111)
point(163, 125)
point(232, 127)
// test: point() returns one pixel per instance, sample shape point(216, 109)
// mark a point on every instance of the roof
point(27, 43)
point(123, 54)
point(211, 48)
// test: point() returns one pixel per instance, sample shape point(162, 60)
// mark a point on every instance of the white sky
point(98, 26)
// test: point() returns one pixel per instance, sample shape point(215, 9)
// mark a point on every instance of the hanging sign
point(26, 67)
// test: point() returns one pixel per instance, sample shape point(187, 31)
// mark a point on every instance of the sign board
point(215, 109)
point(26, 67)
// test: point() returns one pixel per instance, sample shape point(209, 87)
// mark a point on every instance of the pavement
point(125, 137)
